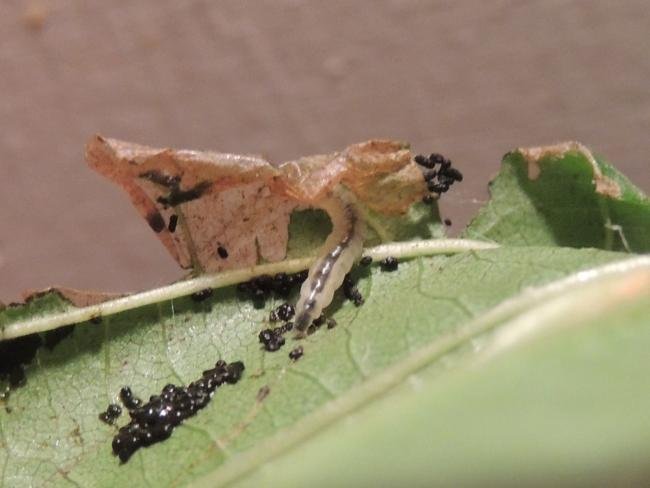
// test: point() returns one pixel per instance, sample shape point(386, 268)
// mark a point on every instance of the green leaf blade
point(568, 407)
point(173, 342)
point(560, 207)
point(402, 386)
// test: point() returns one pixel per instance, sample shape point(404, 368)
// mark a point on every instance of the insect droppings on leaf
point(155, 221)
point(262, 287)
point(155, 421)
point(271, 339)
point(128, 399)
point(202, 295)
point(222, 252)
point(296, 353)
point(351, 291)
point(105, 418)
point(318, 321)
point(284, 312)
point(316, 324)
point(113, 411)
point(173, 222)
point(438, 174)
point(389, 264)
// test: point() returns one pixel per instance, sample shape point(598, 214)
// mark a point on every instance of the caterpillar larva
point(341, 249)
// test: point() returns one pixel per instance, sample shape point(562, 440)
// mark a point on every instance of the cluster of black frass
point(261, 288)
point(438, 174)
point(155, 420)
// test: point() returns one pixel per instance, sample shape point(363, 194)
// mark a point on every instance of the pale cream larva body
point(342, 248)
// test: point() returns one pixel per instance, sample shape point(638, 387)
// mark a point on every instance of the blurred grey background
point(287, 78)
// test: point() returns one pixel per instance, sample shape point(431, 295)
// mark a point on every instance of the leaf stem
point(400, 250)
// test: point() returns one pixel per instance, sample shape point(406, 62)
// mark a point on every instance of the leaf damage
point(436, 298)
point(216, 211)
point(562, 195)
point(77, 298)
point(534, 155)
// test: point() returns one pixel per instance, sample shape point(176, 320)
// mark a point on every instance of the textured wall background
point(285, 78)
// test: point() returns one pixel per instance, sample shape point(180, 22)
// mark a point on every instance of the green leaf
point(421, 364)
point(561, 207)
point(42, 305)
point(568, 407)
